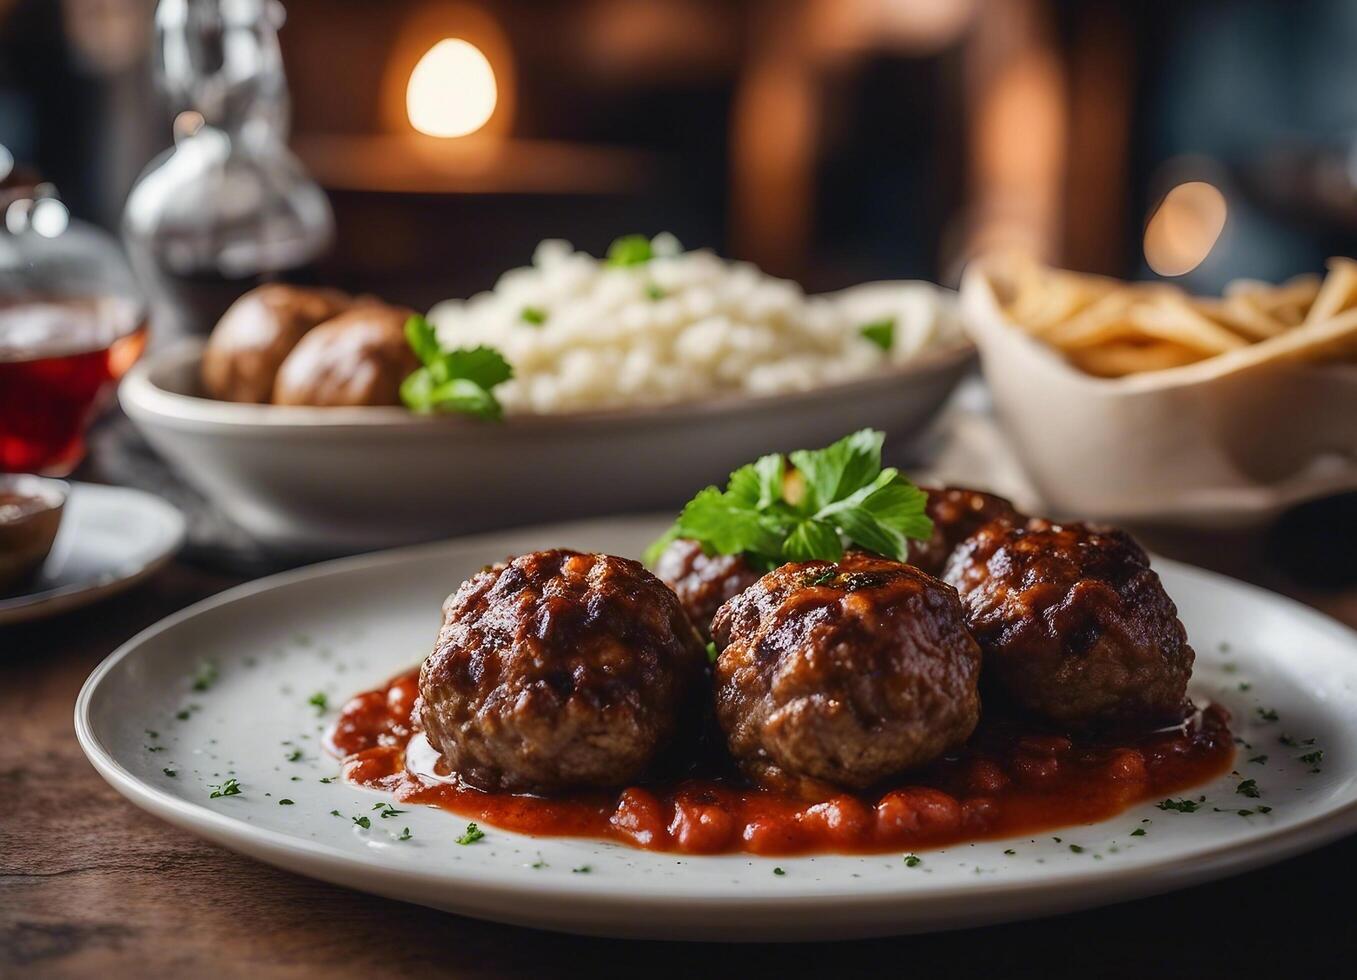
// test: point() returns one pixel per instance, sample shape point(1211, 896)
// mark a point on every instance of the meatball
point(844, 673)
point(358, 358)
point(255, 335)
point(703, 582)
point(957, 513)
point(1074, 624)
point(557, 670)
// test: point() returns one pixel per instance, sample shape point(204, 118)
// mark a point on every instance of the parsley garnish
point(205, 676)
point(327, 779)
point(295, 755)
point(534, 315)
point(336, 813)
point(363, 821)
point(880, 332)
point(1287, 740)
point(1259, 759)
point(473, 834)
point(847, 497)
point(779, 872)
point(913, 860)
point(1249, 788)
point(1264, 809)
point(1180, 806)
point(170, 772)
point(286, 802)
point(405, 834)
point(654, 292)
point(583, 869)
point(229, 788)
point(1138, 832)
point(630, 250)
point(1267, 714)
point(320, 702)
point(452, 380)
point(182, 714)
point(1313, 758)
point(1076, 849)
point(1010, 852)
point(387, 810)
point(711, 652)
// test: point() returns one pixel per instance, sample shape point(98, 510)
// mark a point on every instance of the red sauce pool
point(1008, 781)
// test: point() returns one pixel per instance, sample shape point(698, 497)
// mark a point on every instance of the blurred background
point(827, 140)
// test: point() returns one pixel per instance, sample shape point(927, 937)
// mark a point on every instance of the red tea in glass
point(59, 358)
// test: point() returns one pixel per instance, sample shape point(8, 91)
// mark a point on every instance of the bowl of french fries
point(1138, 402)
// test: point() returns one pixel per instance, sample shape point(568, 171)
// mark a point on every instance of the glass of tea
point(71, 323)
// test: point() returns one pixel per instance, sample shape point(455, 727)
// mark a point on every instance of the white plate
point(345, 626)
point(110, 539)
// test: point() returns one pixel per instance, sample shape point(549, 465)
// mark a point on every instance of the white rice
point(717, 328)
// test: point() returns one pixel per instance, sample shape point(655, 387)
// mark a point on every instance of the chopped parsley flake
point(1245, 686)
point(1264, 809)
point(1076, 849)
point(151, 734)
point(170, 772)
point(1249, 788)
point(286, 802)
point(387, 810)
point(1259, 759)
point(182, 714)
point(1138, 832)
point(534, 315)
point(1267, 714)
point(1010, 852)
point(336, 813)
point(654, 292)
point(1179, 806)
point(319, 701)
point(880, 332)
point(1287, 740)
point(229, 788)
point(1313, 758)
point(711, 652)
point(583, 869)
point(405, 834)
point(913, 860)
point(473, 834)
point(363, 822)
point(295, 755)
point(779, 872)
point(327, 779)
point(205, 676)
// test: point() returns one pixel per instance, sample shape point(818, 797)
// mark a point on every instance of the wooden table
point(90, 886)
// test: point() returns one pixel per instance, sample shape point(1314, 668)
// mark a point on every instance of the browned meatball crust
point(844, 672)
point(358, 358)
point(957, 513)
point(1074, 624)
point(255, 335)
point(557, 670)
point(703, 582)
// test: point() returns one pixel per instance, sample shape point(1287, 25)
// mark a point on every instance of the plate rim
point(1105, 885)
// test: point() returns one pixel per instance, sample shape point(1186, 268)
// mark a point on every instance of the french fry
point(1118, 359)
point(1337, 294)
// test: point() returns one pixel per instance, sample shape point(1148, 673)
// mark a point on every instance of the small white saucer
point(110, 539)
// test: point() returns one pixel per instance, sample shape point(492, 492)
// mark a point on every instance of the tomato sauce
point(1009, 780)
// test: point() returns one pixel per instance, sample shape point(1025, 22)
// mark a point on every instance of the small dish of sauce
point(30, 515)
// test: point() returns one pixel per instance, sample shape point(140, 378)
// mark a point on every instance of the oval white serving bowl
point(329, 480)
point(1226, 442)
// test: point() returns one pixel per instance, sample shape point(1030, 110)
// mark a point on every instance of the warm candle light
point(452, 90)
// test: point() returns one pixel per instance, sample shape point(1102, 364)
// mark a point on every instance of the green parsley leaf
point(229, 788)
point(1076, 849)
point(630, 250)
point(286, 802)
point(1313, 758)
point(170, 772)
point(534, 315)
point(654, 292)
point(1249, 787)
point(320, 702)
point(1267, 714)
point(913, 860)
point(583, 869)
point(363, 822)
point(387, 810)
point(1259, 759)
point(779, 872)
point(473, 834)
point(405, 834)
point(711, 652)
point(1138, 832)
point(295, 755)
point(880, 332)
point(848, 499)
point(452, 381)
